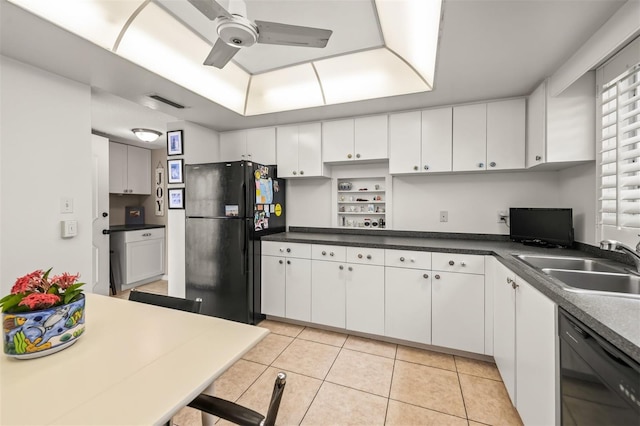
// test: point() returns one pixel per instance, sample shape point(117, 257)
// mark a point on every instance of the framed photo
point(176, 198)
point(174, 142)
point(175, 171)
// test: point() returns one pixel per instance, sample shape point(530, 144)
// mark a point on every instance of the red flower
point(65, 280)
point(39, 300)
point(29, 282)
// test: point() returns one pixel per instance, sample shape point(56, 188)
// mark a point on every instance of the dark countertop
point(617, 319)
point(123, 228)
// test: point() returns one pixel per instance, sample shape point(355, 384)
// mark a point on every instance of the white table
point(137, 364)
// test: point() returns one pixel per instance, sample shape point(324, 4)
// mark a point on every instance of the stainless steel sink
point(613, 284)
point(572, 263)
point(587, 275)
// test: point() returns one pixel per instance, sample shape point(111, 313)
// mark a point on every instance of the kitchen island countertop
point(617, 319)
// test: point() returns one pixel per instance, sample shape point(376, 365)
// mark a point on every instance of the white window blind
point(620, 149)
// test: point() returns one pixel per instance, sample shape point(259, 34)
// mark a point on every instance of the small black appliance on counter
point(547, 227)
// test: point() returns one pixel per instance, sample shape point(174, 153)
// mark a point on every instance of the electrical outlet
point(444, 216)
point(502, 216)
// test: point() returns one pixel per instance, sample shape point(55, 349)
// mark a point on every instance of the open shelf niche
point(362, 202)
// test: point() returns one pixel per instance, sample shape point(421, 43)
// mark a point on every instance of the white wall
point(578, 191)
point(45, 143)
point(200, 145)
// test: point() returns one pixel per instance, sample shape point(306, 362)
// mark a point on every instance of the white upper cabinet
point(469, 137)
point(420, 142)
point(359, 139)
point(506, 134)
point(404, 142)
point(560, 129)
point(299, 151)
point(437, 139)
point(129, 169)
point(257, 145)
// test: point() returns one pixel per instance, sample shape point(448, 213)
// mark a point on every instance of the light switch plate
point(66, 205)
point(69, 228)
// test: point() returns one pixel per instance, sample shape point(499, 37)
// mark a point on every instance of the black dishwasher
point(599, 384)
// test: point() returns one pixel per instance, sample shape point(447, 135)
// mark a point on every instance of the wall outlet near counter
point(503, 215)
point(444, 216)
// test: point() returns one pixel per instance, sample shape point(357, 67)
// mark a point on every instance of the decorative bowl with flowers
point(42, 315)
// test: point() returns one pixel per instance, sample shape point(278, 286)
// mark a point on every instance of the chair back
point(276, 397)
point(179, 303)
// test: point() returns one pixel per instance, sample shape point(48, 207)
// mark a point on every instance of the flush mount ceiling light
point(136, 30)
point(146, 135)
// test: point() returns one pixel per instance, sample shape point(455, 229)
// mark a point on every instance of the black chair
point(210, 404)
point(187, 305)
point(237, 413)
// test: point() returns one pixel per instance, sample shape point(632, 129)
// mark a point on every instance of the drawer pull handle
point(359, 256)
point(514, 285)
point(451, 263)
point(350, 268)
point(288, 250)
point(324, 253)
point(369, 256)
point(437, 277)
point(146, 234)
point(413, 260)
point(288, 262)
point(331, 254)
point(281, 250)
point(402, 259)
point(509, 280)
point(425, 276)
point(341, 267)
point(463, 264)
point(280, 261)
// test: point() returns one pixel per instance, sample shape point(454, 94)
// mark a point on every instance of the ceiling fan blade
point(220, 54)
point(210, 8)
point(291, 35)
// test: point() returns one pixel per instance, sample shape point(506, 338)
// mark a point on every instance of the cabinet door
point(273, 285)
point(469, 137)
point(145, 259)
point(371, 138)
point(261, 145)
point(504, 327)
point(298, 289)
point(365, 298)
point(138, 170)
point(407, 313)
point(437, 139)
point(404, 142)
point(458, 311)
point(536, 356)
point(337, 141)
point(328, 293)
point(310, 149)
point(287, 151)
point(505, 134)
point(117, 168)
point(233, 146)
point(536, 125)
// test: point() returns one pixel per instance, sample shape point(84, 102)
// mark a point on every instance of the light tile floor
point(339, 379)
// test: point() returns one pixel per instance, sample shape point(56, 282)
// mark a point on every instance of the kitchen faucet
point(613, 245)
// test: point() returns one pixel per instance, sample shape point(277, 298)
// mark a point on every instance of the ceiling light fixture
point(146, 135)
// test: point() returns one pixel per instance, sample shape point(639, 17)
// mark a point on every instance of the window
point(620, 151)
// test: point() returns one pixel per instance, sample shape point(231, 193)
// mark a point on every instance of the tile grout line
point(464, 404)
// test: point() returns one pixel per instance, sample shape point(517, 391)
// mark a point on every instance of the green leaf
point(46, 274)
point(11, 301)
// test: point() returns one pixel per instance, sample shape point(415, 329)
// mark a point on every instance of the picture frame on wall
point(175, 143)
point(176, 198)
point(175, 168)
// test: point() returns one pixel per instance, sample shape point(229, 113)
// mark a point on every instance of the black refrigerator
point(229, 206)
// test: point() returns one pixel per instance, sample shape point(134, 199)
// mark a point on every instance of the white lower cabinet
point(407, 312)
point(457, 306)
point(328, 293)
point(298, 289)
point(140, 255)
point(273, 285)
point(525, 346)
point(365, 298)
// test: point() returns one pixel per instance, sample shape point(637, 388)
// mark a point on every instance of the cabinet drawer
point(369, 256)
point(143, 234)
point(408, 259)
point(331, 253)
point(277, 248)
point(454, 262)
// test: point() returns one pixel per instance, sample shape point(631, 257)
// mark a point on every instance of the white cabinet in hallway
point(457, 302)
point(129, 169)
point(139, 254)
point(299, 151)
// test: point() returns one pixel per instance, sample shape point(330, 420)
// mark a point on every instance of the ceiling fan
point(235, 31)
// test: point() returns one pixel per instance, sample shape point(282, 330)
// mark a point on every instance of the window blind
point(620, 151)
